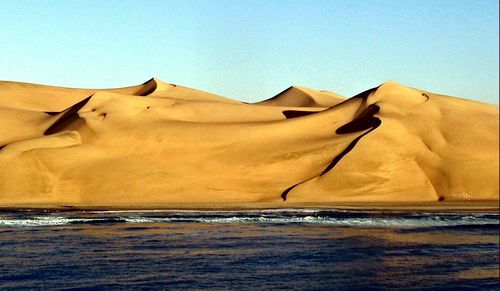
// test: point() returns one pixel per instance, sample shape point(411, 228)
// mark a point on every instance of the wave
point(270, 216)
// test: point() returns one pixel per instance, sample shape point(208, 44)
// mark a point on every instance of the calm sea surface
point(268, 249)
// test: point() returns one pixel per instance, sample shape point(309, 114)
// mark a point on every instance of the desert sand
point(160, 145)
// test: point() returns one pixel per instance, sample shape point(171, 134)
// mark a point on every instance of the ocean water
point(306, 249)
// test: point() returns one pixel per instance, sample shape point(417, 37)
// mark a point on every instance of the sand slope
point(296, 96)
point(164, 145)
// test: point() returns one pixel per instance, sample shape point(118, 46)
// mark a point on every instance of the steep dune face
point(179, 146)
point(427, 147)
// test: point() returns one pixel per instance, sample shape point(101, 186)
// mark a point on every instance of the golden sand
point(159, 145)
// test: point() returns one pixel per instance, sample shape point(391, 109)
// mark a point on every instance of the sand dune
point(296, 96)
point(164, 145)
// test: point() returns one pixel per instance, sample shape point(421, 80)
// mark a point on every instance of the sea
point(293, 249)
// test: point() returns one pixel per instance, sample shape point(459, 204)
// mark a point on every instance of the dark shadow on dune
point(285, 193)
point(365, 120)
point(366, 93)
point(297, 113)
point(70, 115)
point(52, 112)
point(376, 123)
point(148, 88)
point(146, 91)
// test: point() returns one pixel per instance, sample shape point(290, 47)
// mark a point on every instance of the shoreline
point(453, 206)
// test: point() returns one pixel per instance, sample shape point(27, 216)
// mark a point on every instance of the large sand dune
point(164, 145)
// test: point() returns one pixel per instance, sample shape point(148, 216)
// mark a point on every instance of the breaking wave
point(272, 216)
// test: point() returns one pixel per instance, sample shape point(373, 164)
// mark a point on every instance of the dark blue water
point(274, 249)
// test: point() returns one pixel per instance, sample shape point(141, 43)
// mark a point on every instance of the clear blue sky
point(251, 50)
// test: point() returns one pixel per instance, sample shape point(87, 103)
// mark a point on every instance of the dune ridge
point(164, 145)
point(297, 96)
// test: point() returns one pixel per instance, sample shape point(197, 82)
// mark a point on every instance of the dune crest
point(164, 145)
point(296, 96)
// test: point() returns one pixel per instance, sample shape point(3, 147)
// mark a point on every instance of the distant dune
point(304, 97)
point(159, 145)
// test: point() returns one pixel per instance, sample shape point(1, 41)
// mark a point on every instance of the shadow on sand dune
point(365, 120)
point(297, 113)
point(69, 116)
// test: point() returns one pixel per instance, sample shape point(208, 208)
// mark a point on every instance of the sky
point(252, 50)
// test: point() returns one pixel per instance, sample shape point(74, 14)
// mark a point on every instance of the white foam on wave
point(41, 221)
point(257, 216)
